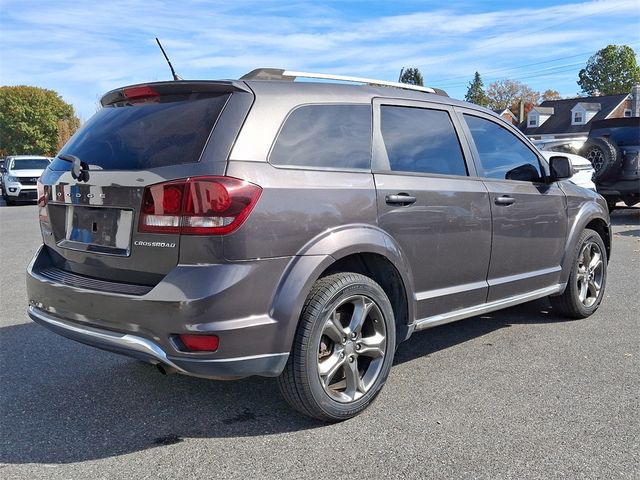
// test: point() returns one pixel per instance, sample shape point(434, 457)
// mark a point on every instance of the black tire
point(604, 155)
point(630, 201)
point(301, 384)
point(10, 201)
point(569, 302)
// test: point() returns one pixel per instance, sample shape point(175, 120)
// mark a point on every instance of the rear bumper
point(148, 351)
point(232, 301)
point(619, 188)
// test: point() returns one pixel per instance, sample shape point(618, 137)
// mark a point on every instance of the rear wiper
point(79, 169)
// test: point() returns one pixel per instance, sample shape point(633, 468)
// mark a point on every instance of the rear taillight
point(197, 206)
point(43, 214)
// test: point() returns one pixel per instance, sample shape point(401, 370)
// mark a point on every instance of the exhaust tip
point(166, 369)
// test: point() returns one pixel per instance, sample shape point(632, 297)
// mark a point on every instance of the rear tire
point(604, 155)
point(10, 201)
point(587, 280)
point(343, 349)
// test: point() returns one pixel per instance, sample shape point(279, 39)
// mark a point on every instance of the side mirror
point(560, 168)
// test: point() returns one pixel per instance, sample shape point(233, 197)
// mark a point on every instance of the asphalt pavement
point(519, 394)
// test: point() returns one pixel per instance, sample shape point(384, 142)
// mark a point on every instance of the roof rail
point(291, 75)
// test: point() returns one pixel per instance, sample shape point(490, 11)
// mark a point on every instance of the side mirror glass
point(524, 173)
point(560, 168)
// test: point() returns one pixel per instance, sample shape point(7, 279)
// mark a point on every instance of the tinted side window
point(502, 154)
point(421, 140)
point(327, 136)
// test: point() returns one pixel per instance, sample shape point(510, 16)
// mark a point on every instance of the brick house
point(507, 115)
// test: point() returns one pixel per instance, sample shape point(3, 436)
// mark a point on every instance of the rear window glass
point(29, 164)
point(169, 131)
point(325, 136)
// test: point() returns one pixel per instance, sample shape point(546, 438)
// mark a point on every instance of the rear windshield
point(167, 131)
point(29, 164)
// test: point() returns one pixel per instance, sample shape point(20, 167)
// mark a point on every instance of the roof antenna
point(173, 72)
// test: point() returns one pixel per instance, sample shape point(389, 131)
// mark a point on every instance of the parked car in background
point(563, 145)
point(613, 147)
point(302, 230)
point(582, 169)
point(20, 175)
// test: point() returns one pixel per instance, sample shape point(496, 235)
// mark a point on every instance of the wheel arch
point(361, 249)
point(594, 216)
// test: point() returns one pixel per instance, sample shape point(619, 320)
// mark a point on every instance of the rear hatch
point(111, 201)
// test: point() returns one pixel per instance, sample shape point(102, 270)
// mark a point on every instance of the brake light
point(197, 206)
point(141, 92)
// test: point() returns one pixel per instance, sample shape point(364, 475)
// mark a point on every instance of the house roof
point(560, 120)
point(502, 111)
point(544, 110)
point(589, 107)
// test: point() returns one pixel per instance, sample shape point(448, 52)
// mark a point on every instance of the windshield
point(29, 164)
point(171, 130)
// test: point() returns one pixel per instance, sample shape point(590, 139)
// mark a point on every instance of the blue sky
point(83, 49)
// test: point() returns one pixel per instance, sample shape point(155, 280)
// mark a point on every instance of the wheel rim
point(590, 274)
point(352, 348)
point(596, 157)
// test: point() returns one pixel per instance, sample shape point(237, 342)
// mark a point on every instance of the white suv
point(20, 177)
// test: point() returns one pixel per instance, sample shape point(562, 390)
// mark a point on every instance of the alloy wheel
point(590, 273)
point(352, 348)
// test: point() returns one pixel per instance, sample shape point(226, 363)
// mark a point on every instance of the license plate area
point(98, 230)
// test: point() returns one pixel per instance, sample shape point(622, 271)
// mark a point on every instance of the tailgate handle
point(400, 199)
point(505, 200)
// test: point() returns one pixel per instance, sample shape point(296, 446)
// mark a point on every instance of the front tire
point(587, 280)
point(343, 349)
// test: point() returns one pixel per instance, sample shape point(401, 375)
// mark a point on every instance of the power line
point(531, 74)
point(520, 66)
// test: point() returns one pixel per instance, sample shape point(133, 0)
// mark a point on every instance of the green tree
point(475, 92)
point(507, 93)
point(411, 76)
point(611, 70)
point(34, 121)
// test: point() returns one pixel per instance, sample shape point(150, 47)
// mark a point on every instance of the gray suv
point(302, 230)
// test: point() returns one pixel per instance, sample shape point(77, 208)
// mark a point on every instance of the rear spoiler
point(173, 87)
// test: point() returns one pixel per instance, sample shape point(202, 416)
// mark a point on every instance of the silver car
point(20, 175)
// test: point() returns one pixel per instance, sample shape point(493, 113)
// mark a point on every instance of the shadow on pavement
point(63, 402)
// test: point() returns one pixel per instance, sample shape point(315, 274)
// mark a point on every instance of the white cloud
point(81, 49)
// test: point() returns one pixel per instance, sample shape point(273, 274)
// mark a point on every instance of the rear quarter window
point(325, 136)
point(169, 131)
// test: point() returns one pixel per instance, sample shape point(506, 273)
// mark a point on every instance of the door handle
point(400, 199)
point(505, 200)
